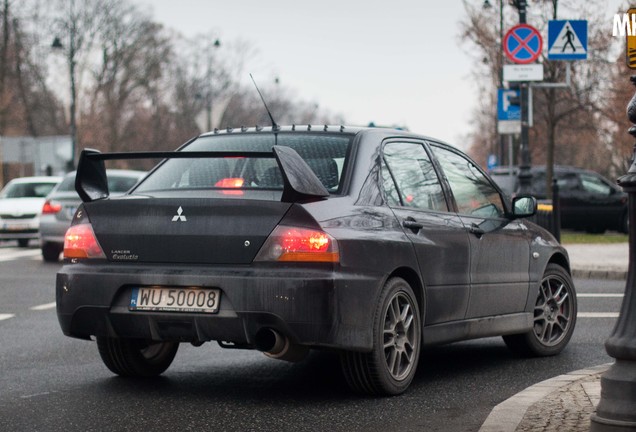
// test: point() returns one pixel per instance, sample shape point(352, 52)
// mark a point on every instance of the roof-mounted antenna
point(275, 127)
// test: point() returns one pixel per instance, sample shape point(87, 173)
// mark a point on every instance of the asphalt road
point(49, 382)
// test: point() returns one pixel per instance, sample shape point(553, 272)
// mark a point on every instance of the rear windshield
point(27, 190)
point(325, 154)
point(116, 183)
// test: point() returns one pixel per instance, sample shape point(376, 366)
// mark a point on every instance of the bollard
point(556, 211)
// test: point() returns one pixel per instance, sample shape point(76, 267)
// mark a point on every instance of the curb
point(599, 274)
point(507, 416)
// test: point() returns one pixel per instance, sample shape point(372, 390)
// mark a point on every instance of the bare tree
point(566, 119)
point(134, 54)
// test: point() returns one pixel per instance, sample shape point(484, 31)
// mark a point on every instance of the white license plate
point(205, 300)
point(16, 227)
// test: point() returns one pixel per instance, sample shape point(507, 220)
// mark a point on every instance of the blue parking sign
point(507, 107)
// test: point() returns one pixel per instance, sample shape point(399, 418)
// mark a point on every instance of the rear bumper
point(312, 306)
point(52, 230)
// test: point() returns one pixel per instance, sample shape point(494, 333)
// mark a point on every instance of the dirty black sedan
point(375, 243)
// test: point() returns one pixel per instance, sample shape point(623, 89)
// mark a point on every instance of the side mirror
point(524, 206)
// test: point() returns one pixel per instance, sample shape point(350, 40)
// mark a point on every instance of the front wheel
point(554, 316)
point(390, 367)
point(136, 357)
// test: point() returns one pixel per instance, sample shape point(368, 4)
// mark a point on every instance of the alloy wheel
point(400, 336)
point(553, 311)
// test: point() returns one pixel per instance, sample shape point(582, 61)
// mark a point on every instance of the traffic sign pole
point(525, 177)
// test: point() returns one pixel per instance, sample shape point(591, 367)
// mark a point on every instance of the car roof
point(36, 179)
point(330, 129)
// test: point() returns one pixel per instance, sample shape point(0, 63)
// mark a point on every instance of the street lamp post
point(208, 96)
point(616, 410)
point(57, 44)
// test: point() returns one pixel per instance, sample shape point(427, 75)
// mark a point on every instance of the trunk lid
point(183, 230)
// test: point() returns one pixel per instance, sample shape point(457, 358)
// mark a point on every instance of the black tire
point(136, 357)
point(554, 316)
point(23, 243)
point(397, 335)
point(51, 252)
point(595, 229)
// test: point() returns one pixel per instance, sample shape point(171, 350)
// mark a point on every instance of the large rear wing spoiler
point(299, 181)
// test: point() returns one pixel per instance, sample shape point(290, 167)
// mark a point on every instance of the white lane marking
point(38, 394)
point(17, 254)
point(6, 316)
point(45, 306)
point(599, 295)
point(597, 315)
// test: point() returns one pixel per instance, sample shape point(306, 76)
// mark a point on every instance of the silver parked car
point(61, 203)
point(20, 205)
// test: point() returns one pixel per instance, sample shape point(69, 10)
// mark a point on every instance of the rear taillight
point(50, 207)
point(80, 242)
point(293, 244)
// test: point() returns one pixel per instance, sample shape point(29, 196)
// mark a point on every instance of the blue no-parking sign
point(567, 40)
point(522, 44)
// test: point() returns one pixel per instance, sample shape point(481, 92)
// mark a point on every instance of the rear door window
point(595, 185)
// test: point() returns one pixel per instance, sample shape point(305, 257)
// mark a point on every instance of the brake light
point(291, 244)
point(80, 242)
point(51, 207)
point(230, 182)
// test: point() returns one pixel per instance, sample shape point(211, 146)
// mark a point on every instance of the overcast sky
point(396, 62)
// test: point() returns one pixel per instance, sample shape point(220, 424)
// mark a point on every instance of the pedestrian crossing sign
point(567, 40)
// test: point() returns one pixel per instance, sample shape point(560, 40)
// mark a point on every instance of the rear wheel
point(136, 357)
point(51, 252)
point(390, 367)
point(554, 316)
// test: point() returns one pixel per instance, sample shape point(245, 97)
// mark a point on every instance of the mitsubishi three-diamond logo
point(179, 217)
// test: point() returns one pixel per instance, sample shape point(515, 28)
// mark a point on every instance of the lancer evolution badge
point(179, 217)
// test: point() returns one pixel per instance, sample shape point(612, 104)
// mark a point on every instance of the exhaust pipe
point(275, 345)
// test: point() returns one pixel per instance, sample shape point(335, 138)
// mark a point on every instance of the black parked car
point(371, 242)
point(588, 200)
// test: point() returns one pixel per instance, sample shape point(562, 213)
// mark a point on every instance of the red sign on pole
point(522, 44)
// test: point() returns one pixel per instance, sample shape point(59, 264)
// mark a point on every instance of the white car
point(21, 203)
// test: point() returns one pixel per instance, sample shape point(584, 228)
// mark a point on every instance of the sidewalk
point(566, 402)
point(599, 261)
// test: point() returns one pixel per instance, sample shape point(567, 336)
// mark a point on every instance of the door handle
point(412, 224)
point(475, 229)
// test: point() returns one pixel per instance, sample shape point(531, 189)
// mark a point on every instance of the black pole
point(521, 5)
point(556, 211)
point(616, 410)
point(525, 177)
